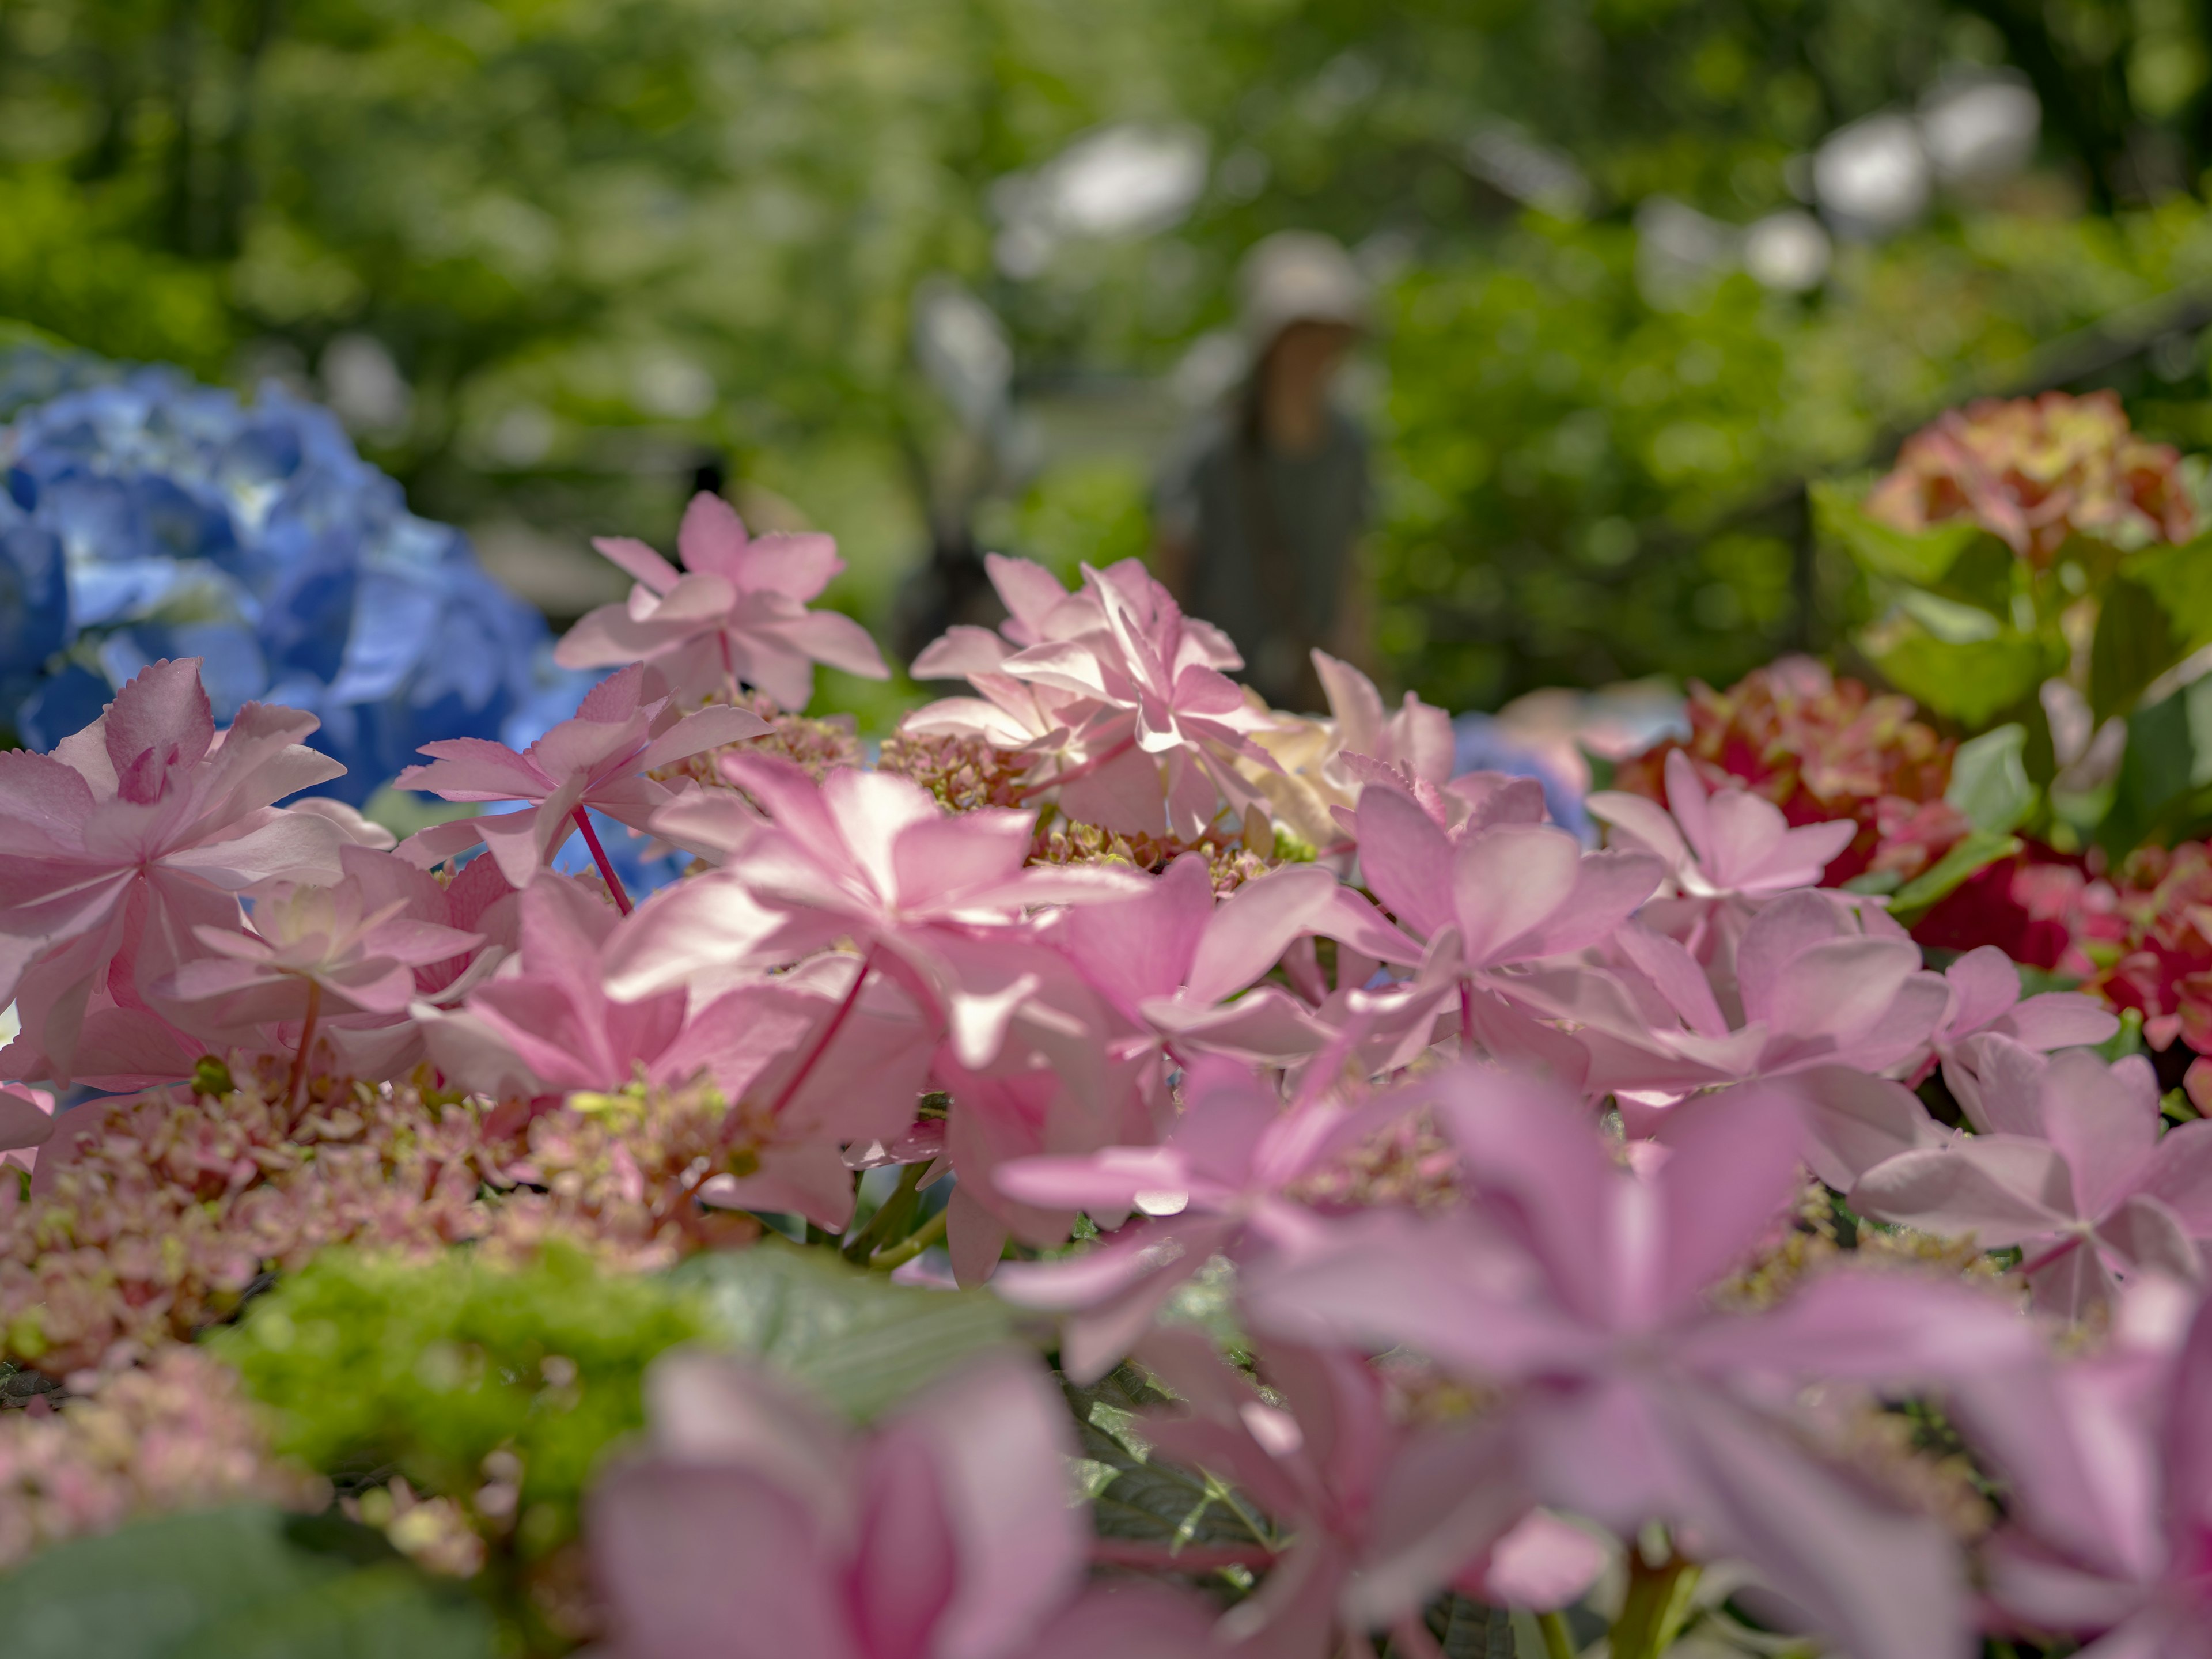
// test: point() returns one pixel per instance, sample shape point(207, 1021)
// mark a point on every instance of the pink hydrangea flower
point(597, 760)
point(1152, 726)
point(754, 1527)
point(736, 614)
point(869, 858)
point(140, 829)
point(2109, 1466)
point(2072, 1167)
point(351, 947)
point(1578, 1288)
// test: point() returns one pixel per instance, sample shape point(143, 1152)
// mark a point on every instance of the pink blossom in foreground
point(1154, 728)
point(1490, 895)
point(598, 760)
point(1728, 853)
point(1810, 992)
point(141, 827)
point(735, 614)
point(2109, 1464)
point(27, 1123)
point(1579, 1288)
point(2074, 1172)
point(1170, 959)
point(754, 1527)
point(871, 859)
point(351, 944)
point(1985, 1000)
point(1726, 843)
point(1222, 1174)
point(808, 1061)
point(1385, 1517)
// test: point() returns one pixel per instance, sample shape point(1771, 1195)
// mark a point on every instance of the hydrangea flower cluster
point(1578, 1237)
point(1822, 748)
point(2035, 472)
point(146, 517)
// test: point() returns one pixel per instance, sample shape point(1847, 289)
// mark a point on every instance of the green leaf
point(1989, 780)
point(2181, 579)
point(861, 1341)
point(2166, 772)
point(1921, 557)
point(2133, 644)
point(1968, 681)
point(1979, 850)
point(227, 1582)
point(1146, 1497)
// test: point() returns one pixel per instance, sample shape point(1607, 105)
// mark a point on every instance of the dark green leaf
point(1468, 1630)
point(227, 1582)
point(1144, 1496)
point(2133, 644)
point(861, 1341)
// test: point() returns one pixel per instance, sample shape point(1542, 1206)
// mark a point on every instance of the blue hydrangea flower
point(146, 516)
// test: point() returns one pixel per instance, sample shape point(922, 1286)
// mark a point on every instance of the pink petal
point(838, 642)
point(696, 1559)
point(159, 725)
point(1854, 1120)
point(998, 1433)
point(1249, 930)
point(641, 561)
point(1887, 1584)
point(1405, 858)
point(27, 1117)
point(1731, 1170)
point(2001, 1189)
point(1506, 883)
point(1984, 984)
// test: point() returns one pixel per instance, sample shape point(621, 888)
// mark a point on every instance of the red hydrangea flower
point(1820, 748)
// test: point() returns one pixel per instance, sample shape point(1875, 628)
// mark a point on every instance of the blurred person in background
point(1261, 508)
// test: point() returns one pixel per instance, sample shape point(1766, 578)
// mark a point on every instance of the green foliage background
point(557, 215)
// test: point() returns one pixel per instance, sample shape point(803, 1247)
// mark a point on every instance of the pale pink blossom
point(736, 614)
point(141, 827)
point(1153, 729)
point(1385, 1517)
point(2108, 1466)
point(1578, 1288)
point(353, 945)
point(1221, 1177)
point(2074, 1170)
point(597, 760)
point(808, 1060)
point(1182, 969)
point(1729, 843)
point(1985, 1000)
point(753, 1527)
point(871, 859)
point(1810, 993)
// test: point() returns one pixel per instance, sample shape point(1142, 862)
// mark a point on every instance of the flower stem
point(829, 1030)
point(599, 857)
point(912, 1244)
point(306, 1042)
point(1558, 1642)
point(1656, 1607)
